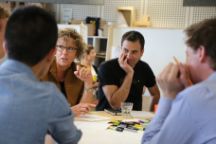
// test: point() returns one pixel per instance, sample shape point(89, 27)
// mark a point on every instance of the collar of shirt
point(17, 67)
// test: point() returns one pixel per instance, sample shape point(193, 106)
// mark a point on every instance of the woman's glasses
point(68, 49)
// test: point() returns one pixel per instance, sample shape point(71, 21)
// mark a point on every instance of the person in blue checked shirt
point(29, 108)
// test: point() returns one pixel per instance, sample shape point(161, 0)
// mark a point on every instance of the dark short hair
point(203, 34)
point(134, 36)
point(31, 32)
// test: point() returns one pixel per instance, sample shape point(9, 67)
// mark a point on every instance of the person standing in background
point(88, 60)
point(29, 108)
point(125, 78)
point(75, 82)
point(186, 112)
point(3, 20)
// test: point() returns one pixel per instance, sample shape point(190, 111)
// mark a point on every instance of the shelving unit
point(100, 45)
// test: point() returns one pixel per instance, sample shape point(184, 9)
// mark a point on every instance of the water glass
point(126, 108)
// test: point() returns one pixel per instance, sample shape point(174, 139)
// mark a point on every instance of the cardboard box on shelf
point(91, 29)
point(126, 15)
point(75, 21)
point(91, 26)
point(144, 22)
point(103, 23)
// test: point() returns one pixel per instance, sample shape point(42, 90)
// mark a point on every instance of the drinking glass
point(126, 108)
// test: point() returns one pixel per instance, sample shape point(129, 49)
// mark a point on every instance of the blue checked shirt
point(30, 108)
point(188, 119)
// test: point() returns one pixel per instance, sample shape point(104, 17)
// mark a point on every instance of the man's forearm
point(155, 93)
point(155, 101)
point(122, 93)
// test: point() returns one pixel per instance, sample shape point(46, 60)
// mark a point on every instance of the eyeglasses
point(68, 49)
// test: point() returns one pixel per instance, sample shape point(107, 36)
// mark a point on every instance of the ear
point(50, 55)
point(202, 54)
point(142, 51)
point(4, 47)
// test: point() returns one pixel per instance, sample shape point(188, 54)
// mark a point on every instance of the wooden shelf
point(100, 45)
point(128, 13)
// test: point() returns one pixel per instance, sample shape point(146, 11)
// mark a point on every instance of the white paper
point(91, 117)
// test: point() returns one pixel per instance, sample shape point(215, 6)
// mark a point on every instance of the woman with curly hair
point(75, 83)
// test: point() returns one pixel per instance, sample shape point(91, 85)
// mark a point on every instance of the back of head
point(134, 36)
point(203, 34)
point(31, 33)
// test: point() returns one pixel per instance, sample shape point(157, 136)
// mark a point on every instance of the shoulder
point(109, 64)
point(200, 100)
point(143, 65)
point(54, 95)
point(58, 105)
point(199, 94)
point(196, 89)
point(49, 87)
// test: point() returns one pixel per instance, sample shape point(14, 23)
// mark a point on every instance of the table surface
point(94, 128)
point(96, 132)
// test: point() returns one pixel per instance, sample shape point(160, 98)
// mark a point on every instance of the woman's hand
point(82, 108)
point(84, 74)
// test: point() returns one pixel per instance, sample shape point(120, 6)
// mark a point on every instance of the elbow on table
point(115, 105)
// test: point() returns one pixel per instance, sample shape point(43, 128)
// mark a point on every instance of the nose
point(129, 55)
point(64, 51)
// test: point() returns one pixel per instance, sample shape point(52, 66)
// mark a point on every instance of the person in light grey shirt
point(186, 113)
point(29, 108)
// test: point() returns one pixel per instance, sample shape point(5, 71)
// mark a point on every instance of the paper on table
point(91, 117)
point(142, 114)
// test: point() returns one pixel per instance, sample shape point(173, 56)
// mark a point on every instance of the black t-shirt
point(110, 73)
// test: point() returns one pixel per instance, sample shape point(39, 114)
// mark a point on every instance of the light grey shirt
point(30, 108)
point(188, 119)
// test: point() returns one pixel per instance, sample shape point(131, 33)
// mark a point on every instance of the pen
point(176, 60)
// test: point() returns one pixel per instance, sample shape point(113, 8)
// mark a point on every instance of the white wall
point(160, 47)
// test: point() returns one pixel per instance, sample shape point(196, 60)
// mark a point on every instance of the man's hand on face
point(185, 75)
point(124, 64)
point(169, 81)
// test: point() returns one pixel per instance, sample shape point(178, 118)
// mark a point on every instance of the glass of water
point(126, 108)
